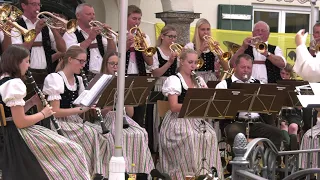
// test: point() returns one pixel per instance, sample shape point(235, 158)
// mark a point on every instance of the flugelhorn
point(175, 47)
point(258, 44)
point(56, 22)
point(104, 32)
point(140, 43)
point(8, 15)
point(216, 49)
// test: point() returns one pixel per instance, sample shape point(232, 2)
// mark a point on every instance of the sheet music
point(306, 100)
point(88, 97)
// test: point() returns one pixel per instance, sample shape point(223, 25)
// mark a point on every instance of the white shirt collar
point(234, 79)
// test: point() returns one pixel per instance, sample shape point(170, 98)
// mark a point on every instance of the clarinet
point(98, 110)
point(44, 101)
point(197, 78)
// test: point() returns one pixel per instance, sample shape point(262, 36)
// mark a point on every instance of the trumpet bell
point(226, 56)
point(200, 63)
point(150, 51)
point(261, 47)
point(5, 11)
point(29, 35)
point(15, 13)
point(232, 47)
point(71, 26)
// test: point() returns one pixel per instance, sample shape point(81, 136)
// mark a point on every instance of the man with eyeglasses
point(90, 38)
point(47, 40)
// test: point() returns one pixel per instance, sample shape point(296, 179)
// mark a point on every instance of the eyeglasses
point(113, 64)
point(171, 36)
point(81, 61)
point(34, 4)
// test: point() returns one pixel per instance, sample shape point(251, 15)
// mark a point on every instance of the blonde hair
point(289, 69)
point(72, 52)
point(183, 57)
point(196, 38)
point(106, 57)
point(164, 31)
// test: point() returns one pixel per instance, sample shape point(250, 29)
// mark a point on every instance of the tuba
point(140, 43)
point(104, 32)
point(232, 48)
point(56, 22)
point(8, 15)
point(259, 44)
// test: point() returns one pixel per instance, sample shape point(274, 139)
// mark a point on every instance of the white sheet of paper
point(305, 100)
point(315, 88)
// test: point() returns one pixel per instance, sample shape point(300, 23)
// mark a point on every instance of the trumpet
point(175, 47)
point(104, 32)
point(8, 15)
point(258, 44)
point(140, 43)
point(56, 22)
point(216, 49)
point(314, 45)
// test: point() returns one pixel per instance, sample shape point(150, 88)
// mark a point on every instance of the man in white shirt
point(266, 65)
point(90, 38)
point(242, 74)
point(47, 40)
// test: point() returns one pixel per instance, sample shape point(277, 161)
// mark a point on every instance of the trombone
point(8, 15)
point(104, 32)
point(140, 43)
point(258, 44)
point(56, 22)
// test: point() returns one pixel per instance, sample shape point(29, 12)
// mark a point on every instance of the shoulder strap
point(229, 81)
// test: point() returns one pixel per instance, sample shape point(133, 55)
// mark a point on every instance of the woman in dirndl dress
point(210, 71)
point(62, 89)
point(29, 151)
point(136, 152)
point(181, 139)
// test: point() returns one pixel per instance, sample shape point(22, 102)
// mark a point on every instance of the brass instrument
point(8, 15)
point(314, 45)
point(104, 32)
point(232, 49)
point(140, 43)
point(216, 49)
point(259, 44)
point(175, 47)
point(56, 22)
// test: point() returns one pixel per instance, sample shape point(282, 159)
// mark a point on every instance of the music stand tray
point(137, 89)
point(210, 103)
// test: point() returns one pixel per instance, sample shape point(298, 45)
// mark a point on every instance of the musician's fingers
point(301, 31)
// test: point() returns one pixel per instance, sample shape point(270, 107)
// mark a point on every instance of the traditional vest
point(273, 72)
point(46, 43)
point(229, 82)
point(209, 59)
point(139, 61)
point(172, 69)
point(183, 92)
point(81, 38)
point(69, 96)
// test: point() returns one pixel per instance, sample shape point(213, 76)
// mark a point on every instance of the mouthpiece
point(245, 76)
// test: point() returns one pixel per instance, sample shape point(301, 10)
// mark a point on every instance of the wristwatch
point(268, 54)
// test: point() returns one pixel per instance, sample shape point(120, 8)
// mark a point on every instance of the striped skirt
point(59, 157)
point(134, 145)
point(98, 147)
point(182, 144)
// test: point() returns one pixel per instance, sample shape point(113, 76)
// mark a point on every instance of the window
point(272, 18)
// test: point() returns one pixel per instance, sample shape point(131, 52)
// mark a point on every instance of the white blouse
point(172, 85)
point(13, 91)
point(54, 85)
point(156, 63)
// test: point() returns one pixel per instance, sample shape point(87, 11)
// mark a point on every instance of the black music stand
point(291, 99)
point(209, 104)
point(156, 96)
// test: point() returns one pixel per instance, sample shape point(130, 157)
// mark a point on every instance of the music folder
point(95, 88)
point(137, 89)
point(210, 103)
point(307, 100)
point(291, 99)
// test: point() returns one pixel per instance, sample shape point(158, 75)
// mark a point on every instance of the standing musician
point(62, 89)
point(29, 151)
point(181, 138)
point(316, 40)
point(134, 135)
point(242, 74)
point(266, 64)
point(89, 37)
point(47, 41)
point(210, 71)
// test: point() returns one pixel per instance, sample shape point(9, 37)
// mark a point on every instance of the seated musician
point(242, 74)
point(29, 151)
point(62, 89)
point(133, 136)
point(291, 116)
point(181, 139)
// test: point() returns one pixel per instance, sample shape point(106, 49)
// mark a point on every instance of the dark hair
point(317, 24)
point(11, 59)
point(134, 9)
point(73, 52)
point(245, 56)
point(165, 30)
point(105, 61)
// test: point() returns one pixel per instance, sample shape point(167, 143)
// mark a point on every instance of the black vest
point(209, 59)
point(171, 70)
point(273, 72)
point(229, 82)
point(139, 61)
point(81, 38)
point(7, 109)
point(69, 96)
point(46, 43)
point(182, 94)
